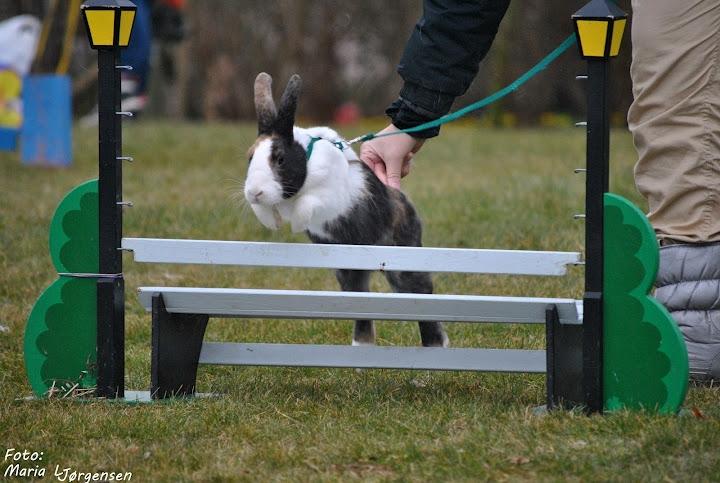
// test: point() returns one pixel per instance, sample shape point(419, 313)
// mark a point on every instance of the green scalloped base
point(645, 360)
point(61, 331)
point(60, 336)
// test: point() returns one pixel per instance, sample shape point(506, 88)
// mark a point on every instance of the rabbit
point(332, 196)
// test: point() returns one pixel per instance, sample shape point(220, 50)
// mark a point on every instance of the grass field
point(473, 188)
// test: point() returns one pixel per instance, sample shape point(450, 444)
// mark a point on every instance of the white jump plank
point(300, 304)
point(373, 357)
point(357, 257)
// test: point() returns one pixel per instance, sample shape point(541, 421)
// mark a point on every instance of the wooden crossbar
point(356, 257)
point(374, 357)
point(300, 304)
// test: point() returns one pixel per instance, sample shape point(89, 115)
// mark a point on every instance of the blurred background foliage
point(346, 52)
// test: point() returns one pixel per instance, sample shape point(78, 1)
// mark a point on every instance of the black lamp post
point(109, 25)
point(599, 26)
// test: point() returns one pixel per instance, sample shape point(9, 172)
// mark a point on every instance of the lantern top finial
point(600, 9)
point(107, 4)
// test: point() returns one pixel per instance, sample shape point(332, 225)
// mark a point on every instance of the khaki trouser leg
point(675, 117)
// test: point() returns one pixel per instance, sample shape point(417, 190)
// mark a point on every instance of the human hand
point(389, 157)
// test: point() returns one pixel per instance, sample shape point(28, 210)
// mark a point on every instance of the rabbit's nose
point(256, 194)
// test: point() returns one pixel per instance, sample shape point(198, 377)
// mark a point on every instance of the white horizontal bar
point(146, 397)
point(301, 304)
point(357, 257)
point(373, 357)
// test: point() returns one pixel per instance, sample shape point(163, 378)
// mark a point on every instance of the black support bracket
point(176, 343)
point(564, 349)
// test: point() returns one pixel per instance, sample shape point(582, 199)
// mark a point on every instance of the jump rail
point(303, 304)
point(354, 257)
point(374, 357)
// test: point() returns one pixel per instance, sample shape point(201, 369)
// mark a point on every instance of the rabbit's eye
point(280, 160)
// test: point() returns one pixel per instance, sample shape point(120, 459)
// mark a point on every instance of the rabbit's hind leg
point(358, 281)
point(432, 334)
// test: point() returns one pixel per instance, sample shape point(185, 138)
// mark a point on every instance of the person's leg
point(675, 122)
point(675, 117)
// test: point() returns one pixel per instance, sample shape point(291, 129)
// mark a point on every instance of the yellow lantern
point(599, 26)
point(109, 22)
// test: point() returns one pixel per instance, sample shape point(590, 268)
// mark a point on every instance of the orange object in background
point(177, 4)
point(347, 113)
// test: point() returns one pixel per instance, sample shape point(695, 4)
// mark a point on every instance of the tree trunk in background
point(294, 15)
point(321, 94)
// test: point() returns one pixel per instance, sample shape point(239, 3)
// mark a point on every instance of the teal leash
point(453, 116)
point(516, 84)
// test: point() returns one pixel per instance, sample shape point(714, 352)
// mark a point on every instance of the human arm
point(440, 61)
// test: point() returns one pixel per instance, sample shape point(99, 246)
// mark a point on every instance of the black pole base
point(564, 351)
point(176, 343)
point(111, 337)
point(592, 381)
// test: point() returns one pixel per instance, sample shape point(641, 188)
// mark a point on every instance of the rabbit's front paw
point(302, 214)
point(267, 216)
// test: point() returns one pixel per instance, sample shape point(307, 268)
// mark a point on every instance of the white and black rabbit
point(332, 196)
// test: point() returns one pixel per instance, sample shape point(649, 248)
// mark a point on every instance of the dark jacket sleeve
point(442, 58)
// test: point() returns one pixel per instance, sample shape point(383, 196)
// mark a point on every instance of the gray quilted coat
point(688, 284)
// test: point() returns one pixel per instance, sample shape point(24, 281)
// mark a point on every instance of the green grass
point(474, 188)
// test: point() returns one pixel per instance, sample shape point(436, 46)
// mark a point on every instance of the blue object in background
point(46, 133)
point(137, 53)
point(8, 139)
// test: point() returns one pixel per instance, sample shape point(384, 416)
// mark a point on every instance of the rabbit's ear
point(288, 104)
point(264, 104)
